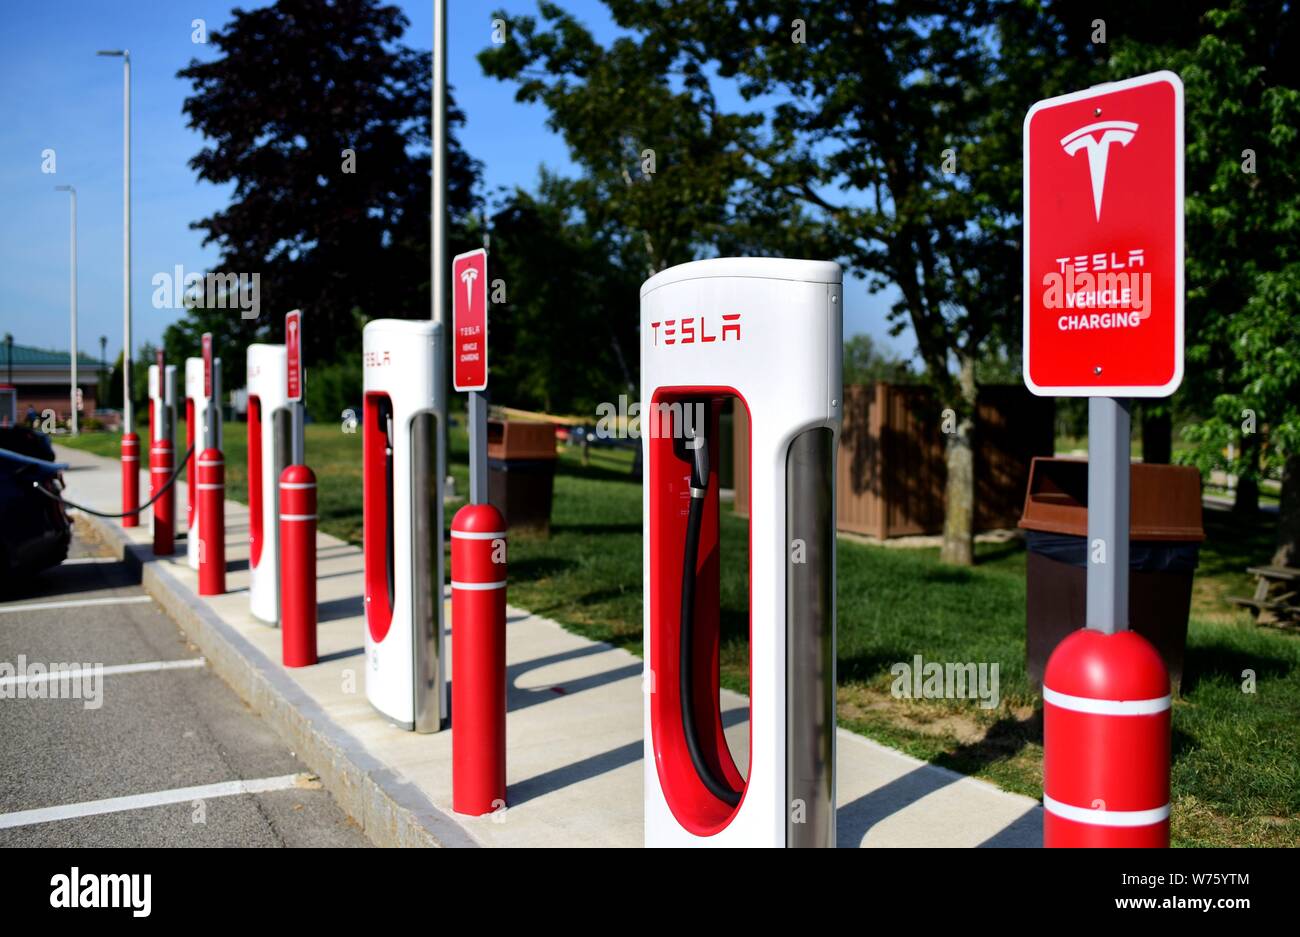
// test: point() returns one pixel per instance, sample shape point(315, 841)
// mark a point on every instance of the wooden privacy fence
point(891, 468)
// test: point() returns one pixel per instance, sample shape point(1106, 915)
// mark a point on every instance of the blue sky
point(57, 94)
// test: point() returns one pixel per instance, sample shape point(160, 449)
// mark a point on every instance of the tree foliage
point(318, 118)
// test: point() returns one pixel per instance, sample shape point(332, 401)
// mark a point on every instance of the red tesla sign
point(293, 351)
point(469, 321)
point(1103, 261)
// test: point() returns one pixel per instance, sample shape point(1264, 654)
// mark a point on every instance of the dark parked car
point(34, 528)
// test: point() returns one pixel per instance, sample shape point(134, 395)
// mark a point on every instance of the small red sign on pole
point(1103, 255)
point(207, 365)
point(469, 321)
point(293, 350)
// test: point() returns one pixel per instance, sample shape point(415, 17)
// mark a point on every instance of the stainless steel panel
point(810, 640)
point(426, 572)
point(281, 454)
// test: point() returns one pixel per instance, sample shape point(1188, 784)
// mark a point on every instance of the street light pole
point(438, 215)
point(130, 442)
point(128, 422)
point(73, 422)
point(101, 389)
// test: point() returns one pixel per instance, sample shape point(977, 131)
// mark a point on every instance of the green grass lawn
point(1236, 768)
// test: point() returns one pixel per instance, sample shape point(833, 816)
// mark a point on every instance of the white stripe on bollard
point(1107, 707)
point(1106, 817)
point(478, 586)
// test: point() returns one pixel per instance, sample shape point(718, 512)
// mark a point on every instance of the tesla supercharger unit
point(270, 448)
point(766, 333)
point(196, 426)
point(162, 403)
point(403, 463)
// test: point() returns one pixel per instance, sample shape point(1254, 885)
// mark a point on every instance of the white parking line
point(186, 663)
point(177, 795)
point(76, 603)
point(83, 560)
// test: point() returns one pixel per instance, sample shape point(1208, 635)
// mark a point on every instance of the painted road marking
point(76, 603)
point(80, 673)
point(177, 795)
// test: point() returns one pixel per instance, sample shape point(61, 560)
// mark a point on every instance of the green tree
point(877, 128)
point(319, 117)
point(1241, 70)
point(563, 341)
point(667, 175)
point(864, 363)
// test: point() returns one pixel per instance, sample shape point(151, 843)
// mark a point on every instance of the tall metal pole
point(438, 210)
point(128, 421)
point(127, 411)
point(73, 422)
point(1108, 514)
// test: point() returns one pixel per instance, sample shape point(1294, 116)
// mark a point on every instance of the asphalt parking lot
point(154, 725)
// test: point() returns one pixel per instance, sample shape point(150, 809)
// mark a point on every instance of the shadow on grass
point(597, 529)
point(1203, 661)
point(1002, 741)
point(947, 575)
point(596, 472)
point(864, 667)
point(1234, 542)
point(992, 553)
point(539, 567)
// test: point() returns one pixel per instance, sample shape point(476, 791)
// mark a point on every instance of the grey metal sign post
point(478, 411)
point(1108, 514)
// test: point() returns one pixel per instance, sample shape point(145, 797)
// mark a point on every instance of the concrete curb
point(391, 810)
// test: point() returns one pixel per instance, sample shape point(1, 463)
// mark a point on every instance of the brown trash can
point(1165, 534)
point(521, 473)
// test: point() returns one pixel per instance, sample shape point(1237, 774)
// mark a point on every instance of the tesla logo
point(1096, 140)
point(694, 329)
point(468, 276)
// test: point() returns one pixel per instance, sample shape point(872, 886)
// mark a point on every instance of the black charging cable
point(85, 510)
point(717, 786)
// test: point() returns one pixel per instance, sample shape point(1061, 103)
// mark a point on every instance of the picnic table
point(1277, 595)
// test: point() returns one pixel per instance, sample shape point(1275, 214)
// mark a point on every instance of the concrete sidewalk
point(574, 763)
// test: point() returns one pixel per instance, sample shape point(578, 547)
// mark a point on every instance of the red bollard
point(298, 566)
point(1106, 706)
point(164, 516)
point(212, 522)
point(130, 479)
point(478, 660)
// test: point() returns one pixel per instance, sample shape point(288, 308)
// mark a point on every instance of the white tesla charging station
point(403, 464)
point(200, 413)
point(162, 402)
point(270, 447)
point(767, 333)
